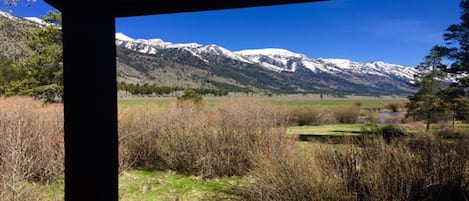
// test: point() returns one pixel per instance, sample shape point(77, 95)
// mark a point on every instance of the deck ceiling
point(126, 8)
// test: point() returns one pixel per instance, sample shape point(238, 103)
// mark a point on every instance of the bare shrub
point(394, 106)
point(295, 176)
point(396, 171)
point(195, 140)
point(138, 131)
point(307, 116)
point(447, 133)
point(347, 115)
point(371, 115)
point(31, 146)
point(435, 170)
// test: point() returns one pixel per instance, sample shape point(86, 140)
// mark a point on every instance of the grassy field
point(146, 185)
point(285, 101)
point(159, 102)
point(335, 103)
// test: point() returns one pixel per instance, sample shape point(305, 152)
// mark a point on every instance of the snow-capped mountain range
point(275, 59)
point(283, 61)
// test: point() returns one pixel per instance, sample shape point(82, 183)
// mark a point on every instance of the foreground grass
point(143, 185)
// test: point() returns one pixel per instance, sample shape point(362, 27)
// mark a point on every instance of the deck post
point(90, 104)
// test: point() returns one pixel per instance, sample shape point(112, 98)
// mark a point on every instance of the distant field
point(330, 129)
point(160, 102)
point(335, 103)
point(300, 102)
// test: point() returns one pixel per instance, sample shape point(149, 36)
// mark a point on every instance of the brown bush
point(191, 139)
point(382, 171)
point(447, 133)
point(31, 146)
point(347, 115)
point(433, 171)
point(394, 106)
point(138, 128)
point(294, 176)
point(307, 116)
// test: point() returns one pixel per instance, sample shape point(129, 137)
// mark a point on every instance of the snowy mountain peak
point(269, 52)
point(123, 37)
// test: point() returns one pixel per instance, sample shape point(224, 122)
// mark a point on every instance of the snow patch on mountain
point(8, 15)
point(37, 20)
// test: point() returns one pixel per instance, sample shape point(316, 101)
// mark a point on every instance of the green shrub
point(388, 133)
point(192, 95)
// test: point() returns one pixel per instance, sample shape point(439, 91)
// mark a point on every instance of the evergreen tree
point(192, 95)
point(41, 75)
point(457, 50)
point(427, 103)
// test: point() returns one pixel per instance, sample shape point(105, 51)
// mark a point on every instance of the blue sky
point(394, 31)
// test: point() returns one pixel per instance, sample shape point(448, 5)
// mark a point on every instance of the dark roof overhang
point(126, 8)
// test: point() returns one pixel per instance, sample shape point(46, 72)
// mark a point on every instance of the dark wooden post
point(90, 103)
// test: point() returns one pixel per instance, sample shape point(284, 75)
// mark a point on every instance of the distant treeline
point(147, 89)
